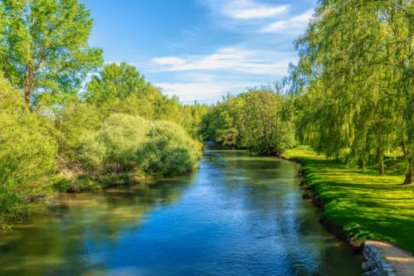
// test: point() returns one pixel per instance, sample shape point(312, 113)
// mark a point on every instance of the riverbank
point(359, 205)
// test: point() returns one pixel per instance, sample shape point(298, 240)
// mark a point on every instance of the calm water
point(237, 215)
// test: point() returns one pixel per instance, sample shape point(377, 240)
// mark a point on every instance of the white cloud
point(254, 13)
point(258, 17)
point(258, 58)
point(295, 24)
point(233, 59)
point(245, 9)
point(279, 25)
point(206, 78)
point(303, 18)
point(174, 61)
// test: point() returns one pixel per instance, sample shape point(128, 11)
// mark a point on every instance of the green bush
point(168, 150)
point(73, 122)
point(127, 145)
point(27, 155)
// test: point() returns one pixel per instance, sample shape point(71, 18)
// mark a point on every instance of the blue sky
point(201, 49)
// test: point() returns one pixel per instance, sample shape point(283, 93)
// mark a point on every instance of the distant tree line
point(258, 120)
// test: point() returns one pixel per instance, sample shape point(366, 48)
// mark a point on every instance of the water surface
point(236, 215)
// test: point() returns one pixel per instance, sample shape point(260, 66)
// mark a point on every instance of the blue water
point(236, 215)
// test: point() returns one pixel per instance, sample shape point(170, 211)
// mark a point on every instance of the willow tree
point(345, 76)
point(44, 45)
point(400, 18)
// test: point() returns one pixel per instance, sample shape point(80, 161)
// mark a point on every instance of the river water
point(236, 215)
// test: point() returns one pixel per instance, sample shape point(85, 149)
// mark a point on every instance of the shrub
point(130, 145)
point(169, 150)
point(27, 155)
point(74, 121)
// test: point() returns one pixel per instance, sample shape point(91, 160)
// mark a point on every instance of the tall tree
point(44, 45)
point(257, 120)
point(345, 67)
point(116, 81)
point(266, 130)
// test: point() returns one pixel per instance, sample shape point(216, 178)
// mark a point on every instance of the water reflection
point(238, 215)
point(75, 231)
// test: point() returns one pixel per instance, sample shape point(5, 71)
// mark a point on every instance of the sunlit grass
point(364, 204)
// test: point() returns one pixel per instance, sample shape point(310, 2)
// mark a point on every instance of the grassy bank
point(360, 202)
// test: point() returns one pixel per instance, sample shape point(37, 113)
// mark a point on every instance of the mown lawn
point(364, 204)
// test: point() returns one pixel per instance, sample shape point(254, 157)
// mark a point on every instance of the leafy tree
point(354, 81)
point(27, 155)
point(191, 118)
point(44, 45)
point(169, 150)
point(256, 120)
point(72, 122)
point(120, 88)
point(266, 128)
point(116, 82)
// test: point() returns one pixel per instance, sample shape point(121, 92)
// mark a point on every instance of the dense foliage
point(257, 120)
point(27, 154)
point(56, 132)
point(120, 88)
point(117, 132)
point(44, 46)
point(351, 98)
point(355, 98)
point(135, 147)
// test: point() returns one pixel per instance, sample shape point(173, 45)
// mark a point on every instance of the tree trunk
point(409, 176)
point(27, 94)
point(381, 167)
point(362, 164)
point(28, 85)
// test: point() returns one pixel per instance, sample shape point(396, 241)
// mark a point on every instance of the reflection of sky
point(202, 49)
point(239, 215)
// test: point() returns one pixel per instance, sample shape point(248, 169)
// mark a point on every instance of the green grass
point(362, 203)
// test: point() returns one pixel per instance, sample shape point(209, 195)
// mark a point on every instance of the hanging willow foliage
point(354, 81)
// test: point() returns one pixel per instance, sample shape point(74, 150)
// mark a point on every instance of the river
point(235, 215)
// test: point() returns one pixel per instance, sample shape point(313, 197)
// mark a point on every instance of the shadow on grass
point(362, 203)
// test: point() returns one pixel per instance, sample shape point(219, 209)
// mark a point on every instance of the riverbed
point(235, 215)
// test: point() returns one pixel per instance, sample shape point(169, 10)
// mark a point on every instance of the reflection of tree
point(62, 240)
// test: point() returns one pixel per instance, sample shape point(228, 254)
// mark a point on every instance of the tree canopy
point(257, 120)
point(353, 81)
point(44, 46)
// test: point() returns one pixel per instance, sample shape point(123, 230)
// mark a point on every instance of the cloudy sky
point(201, 49)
